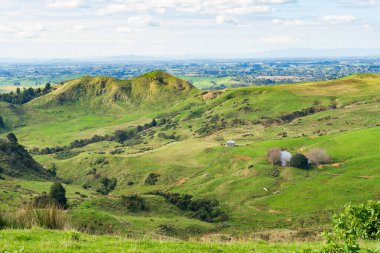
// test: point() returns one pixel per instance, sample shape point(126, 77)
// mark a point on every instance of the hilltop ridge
point(93, 91)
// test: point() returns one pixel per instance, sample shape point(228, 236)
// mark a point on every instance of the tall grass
point(28, 216)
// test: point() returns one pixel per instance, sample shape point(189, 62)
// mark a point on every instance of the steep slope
point(156, 88)
point(16, 161)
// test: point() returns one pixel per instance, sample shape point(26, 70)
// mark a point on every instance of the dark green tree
point(153, 123)
point(58, 195)
point(12, 137)
point(47, 87)
point(2, 124)
point(299, 161)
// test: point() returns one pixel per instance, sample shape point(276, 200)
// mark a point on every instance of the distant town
point(204, 74)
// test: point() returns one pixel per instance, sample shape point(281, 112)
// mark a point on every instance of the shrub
point(66, 155)
point(203, 209)
point(299, 161)
point(133, 203)
point(12, 137)
point(58, 194)
point(2, 125)
point(108, 185)
point(274, 156)
point(318, 156)
point(355, 222)
point(152, 179)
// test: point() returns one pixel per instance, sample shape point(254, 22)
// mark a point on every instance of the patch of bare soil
point(181, 181)
point(242, 158)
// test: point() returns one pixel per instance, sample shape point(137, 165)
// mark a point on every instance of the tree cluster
point(203, 209)
point(24, 96)
point(133, 203)
point(107, 185)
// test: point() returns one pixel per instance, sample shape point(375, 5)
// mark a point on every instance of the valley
point(156, 134)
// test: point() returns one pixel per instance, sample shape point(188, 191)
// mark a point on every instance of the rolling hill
point(177, 134)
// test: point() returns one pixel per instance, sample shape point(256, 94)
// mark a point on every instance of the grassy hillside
point(185, 150)
point(15, 161)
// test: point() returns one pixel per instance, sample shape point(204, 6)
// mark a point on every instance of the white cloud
point(6, 29)
point(329, 19)
point(279, 40)
point(213, 7)
point(338, 19)
point(80, 28)
point(290, 22)
point(112, 9)
point(64, 3)
point(141, 21)
point(123, 29)
point(361, 3)
point(226, 20)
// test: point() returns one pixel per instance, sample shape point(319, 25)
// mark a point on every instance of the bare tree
point(318, 156)
point(274, 155)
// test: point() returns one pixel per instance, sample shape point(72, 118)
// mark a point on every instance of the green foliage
point(73, 235)
point(107, 185)
point(58, 194)
point(355, 222)
point(12, 137)
point(26, 95)
point(133, 203)
point(299, 161)
point(49, 217)
point(203, 209)
point(2, 124)
point(66, 155)
point(152, 179)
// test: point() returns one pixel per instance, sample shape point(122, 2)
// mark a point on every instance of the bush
point(108, 185)
point(58, 194)
point(66, 155)
point(299, 161)
point(152, 179)
point(133, 203)
point(274, 156)
point(12, 137)
point(355, 222)
point(203, 209)
point(318, 156)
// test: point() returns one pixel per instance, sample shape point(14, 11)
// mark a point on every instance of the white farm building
point(285, 157)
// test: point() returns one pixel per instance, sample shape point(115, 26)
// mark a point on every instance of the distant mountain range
point(275, 54)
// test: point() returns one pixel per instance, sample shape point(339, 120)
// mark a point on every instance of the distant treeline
point(119, 136)
point(24, 96)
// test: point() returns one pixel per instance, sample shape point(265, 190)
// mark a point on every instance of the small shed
point(230, 144)
point(285, 157)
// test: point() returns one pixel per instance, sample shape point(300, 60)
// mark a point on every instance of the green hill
point(183, 151)
point(152, 89)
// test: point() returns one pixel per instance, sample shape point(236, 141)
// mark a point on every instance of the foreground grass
point(67, 241)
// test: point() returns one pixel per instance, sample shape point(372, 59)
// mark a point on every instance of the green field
point(345, 121)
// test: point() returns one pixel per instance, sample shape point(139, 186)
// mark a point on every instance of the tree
point(299, 161)
point(58, 195)
point(153, 123)
point(318, 156)
point(2, 125)
point(18, 91)
point(12, 137)
point(274, 155)
point(47, 87)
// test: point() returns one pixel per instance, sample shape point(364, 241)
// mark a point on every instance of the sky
point(97, 28)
